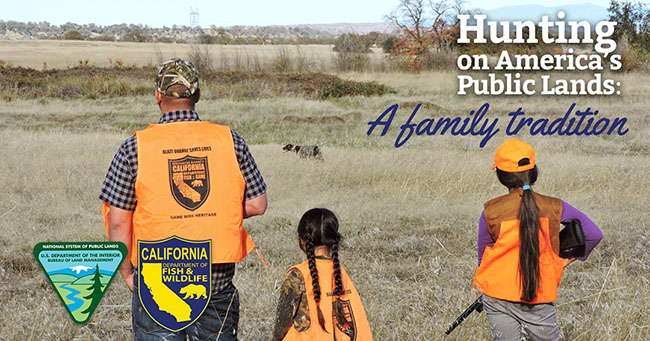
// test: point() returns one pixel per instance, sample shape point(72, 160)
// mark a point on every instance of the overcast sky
point(222, 13)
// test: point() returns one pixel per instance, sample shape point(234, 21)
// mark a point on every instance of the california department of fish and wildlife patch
point(189, 181)
point(174, 280)
point(345, 327)
point(80, 272)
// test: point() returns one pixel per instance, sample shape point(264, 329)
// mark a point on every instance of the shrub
point(164, 39)
point(632, 59)
point(388, 44)
point(353, 43)
point(136, 36)
point(282, 61)
point(350, 61)
point(74, 35)
point(201, 57)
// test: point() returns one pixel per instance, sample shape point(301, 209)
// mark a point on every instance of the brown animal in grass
point(304, 151)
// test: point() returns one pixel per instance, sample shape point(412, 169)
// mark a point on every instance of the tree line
point(430, 29)
point(239, 35)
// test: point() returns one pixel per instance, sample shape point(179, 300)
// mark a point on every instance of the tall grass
point(409, 215)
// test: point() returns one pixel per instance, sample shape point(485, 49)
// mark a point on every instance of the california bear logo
point(169, 269)
point(189, 181)
point(193, 291)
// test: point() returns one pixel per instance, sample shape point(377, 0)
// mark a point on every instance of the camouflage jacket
point(292, 305)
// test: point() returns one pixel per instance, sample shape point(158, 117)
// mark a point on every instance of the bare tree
point(439, 26)
point(409, 17)
point(445, 29)
point(427, 25)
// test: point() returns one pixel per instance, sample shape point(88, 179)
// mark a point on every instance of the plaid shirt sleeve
point(255, 185)
point(118, 188)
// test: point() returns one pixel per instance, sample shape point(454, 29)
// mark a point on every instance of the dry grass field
point(409, 215)
point(57, 54)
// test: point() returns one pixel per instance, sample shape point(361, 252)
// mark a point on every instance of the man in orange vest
point(146, 196)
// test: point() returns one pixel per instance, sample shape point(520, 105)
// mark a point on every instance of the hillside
point(302, 34)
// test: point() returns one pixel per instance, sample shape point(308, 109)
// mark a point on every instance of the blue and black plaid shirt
point(118, 188)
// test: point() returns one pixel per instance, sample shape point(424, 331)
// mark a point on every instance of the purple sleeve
point(593, 234)
point(484, 238)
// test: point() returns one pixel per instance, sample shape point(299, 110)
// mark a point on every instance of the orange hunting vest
point(189, 184)
point(498, 275)
point(353, 306)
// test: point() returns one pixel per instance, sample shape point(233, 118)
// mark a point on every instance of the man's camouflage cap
point(177, 71)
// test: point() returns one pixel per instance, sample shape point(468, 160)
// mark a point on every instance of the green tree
point(388, 44)
point(632, 21)
point(136, 36)
point(632, 33)
point(74, 35)
point(96, 292)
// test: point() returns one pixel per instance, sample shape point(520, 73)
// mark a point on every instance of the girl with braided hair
point(317, 299)
point(518, 250)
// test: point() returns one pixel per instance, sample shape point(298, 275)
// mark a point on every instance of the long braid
point(338, 282)
point(342, 323)
point(311, 257)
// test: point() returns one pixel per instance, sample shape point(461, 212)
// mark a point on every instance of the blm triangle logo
point(80, 272)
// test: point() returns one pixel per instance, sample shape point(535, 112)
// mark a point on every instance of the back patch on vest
point(344, 325)
point(189, 181)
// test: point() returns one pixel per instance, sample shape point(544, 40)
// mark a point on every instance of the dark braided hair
point(319, 226)
point(338, 282)
point(337, 306)
point(528, 228)
point(311, 257)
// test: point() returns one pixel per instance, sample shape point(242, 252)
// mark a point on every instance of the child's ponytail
point(529, 228)
point(529, 245)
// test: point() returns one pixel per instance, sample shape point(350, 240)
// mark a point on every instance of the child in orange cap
point(518, 250)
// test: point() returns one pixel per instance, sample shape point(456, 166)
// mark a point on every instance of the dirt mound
point(424, 105)
point(349, 116)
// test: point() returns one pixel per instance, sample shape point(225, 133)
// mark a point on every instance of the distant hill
point(589, 12)
point(290, 34)
point(358, 28)
point(73, 273)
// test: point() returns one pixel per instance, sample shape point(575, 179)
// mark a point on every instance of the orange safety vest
point(353, 306)
point(498, 275)
point(189, 184)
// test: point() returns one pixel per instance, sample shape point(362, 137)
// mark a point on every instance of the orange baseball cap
point(509, 154)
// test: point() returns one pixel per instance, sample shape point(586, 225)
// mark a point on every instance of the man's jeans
point(218, 322)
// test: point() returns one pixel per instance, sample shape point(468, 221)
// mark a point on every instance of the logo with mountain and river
point(80, 272)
